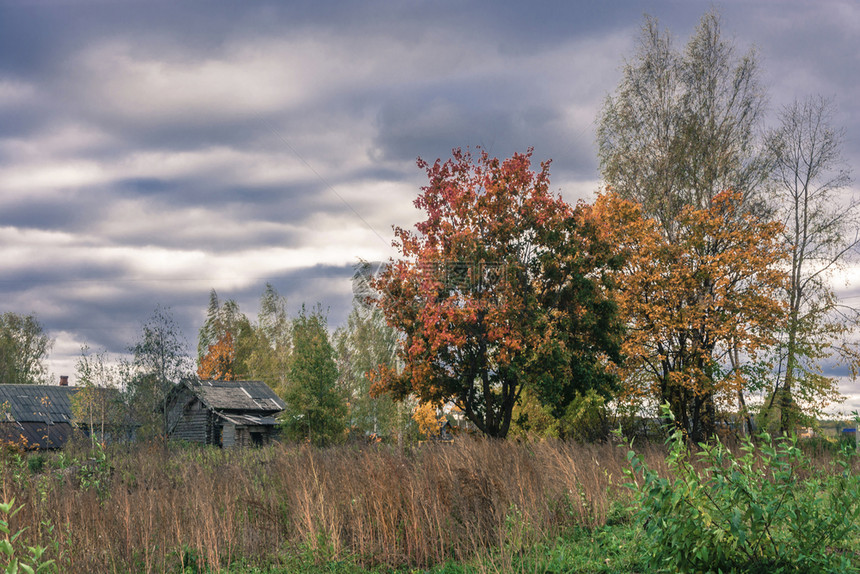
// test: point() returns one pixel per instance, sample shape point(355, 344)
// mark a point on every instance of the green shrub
point(36, 463)
point(11, 547)
point(586, 418)
point(95, 473)
point(766, 509)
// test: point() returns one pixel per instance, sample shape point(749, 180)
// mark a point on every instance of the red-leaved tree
point(502, 287)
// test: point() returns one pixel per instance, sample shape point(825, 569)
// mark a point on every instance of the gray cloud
point(150, 151)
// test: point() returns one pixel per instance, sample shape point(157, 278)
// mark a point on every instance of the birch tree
point(160, 362)
point(364, 343)
point(268, 359)
point(821, 217)
point(97, 401)
point(681, 126)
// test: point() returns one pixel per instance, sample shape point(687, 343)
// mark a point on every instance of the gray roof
point(36, 403)
point(36, 416)
point(239, 396)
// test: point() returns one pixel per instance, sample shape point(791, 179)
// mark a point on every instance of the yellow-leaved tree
point(699, 307)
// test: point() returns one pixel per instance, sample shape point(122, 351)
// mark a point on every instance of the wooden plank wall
point(229, 435)
point(193, 425)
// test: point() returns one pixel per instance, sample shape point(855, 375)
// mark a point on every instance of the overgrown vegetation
point(685, 283)
point(764, 508)
point(472, 506)
point(148, 509)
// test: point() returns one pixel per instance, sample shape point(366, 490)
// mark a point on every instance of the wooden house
point(224, 413)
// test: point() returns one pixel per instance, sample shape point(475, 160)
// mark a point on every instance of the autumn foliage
point(500, 288)
point(697, 307)
point(218, 364)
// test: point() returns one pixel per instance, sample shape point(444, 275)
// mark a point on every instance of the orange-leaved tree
point(697, 308)
point(427, 418)
point(229, 340)
point(218, 364)
point(502, 287)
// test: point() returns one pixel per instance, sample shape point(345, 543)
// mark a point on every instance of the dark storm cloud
point(176, 135)
point(813, 50)
point(100, 309)
point(104, 323)
point(209, 192)
point(22, 123)
point(55, 274)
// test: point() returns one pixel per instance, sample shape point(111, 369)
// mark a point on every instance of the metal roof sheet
point(239, 396)
point(36, 403)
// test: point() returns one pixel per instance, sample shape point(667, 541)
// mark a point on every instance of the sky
point(151, 151)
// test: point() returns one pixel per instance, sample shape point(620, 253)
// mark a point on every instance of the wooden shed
point(224, 413)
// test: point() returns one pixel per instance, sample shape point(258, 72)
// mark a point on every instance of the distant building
point(40, 416)
point(36, 416)
point(224, 413)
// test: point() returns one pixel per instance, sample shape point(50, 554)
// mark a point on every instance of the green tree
point(812, 197)
point(24, 347)
point(364, 343)
point(268, 360)
point(316, 409)
point(532, 418)
point(160, 362)
point(97, 403)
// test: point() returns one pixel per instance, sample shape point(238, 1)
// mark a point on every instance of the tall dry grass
point(160, 511)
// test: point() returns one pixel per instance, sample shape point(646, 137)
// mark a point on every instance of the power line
point(329, 186)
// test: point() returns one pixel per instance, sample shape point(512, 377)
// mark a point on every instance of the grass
point(608, 549)
point(477, 506)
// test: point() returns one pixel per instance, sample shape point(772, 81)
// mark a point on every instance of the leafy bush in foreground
point(11, 548)
point(765, 509)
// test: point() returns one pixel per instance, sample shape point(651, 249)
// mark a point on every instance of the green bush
point(36, 463)
point(586, 418)
point(11, 547)
point(766, 509)
point(95, 473)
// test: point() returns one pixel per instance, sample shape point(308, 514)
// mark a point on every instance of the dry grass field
point(145, 508)
point(475, 505)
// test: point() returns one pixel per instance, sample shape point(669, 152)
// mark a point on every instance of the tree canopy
point(225, 341)
point(24, 347)
point(693, 303)
point(502, 287)
point(160, 361)
point(682, 126)
point(316, 409)
point(361, 345)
